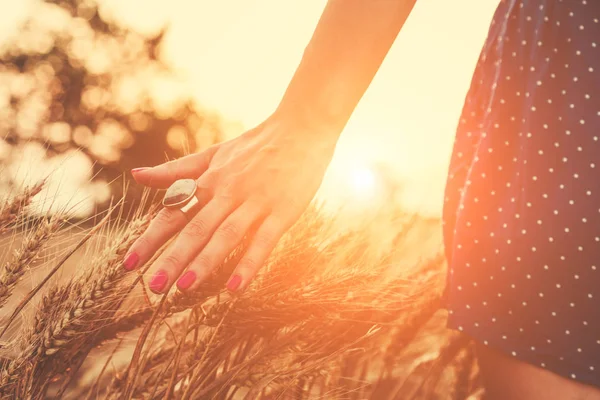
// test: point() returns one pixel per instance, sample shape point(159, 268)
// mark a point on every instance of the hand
point(263, 179)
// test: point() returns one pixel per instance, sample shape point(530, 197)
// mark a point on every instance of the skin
point(243, 183)
point(505, 377)
point(260, 182)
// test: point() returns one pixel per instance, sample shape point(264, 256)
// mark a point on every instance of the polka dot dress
point(522, 206)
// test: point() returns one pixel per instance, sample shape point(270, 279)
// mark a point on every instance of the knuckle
point(204, 185)
point(260, 201)
point(229, 231)
point(211, 176)
point(142, 242)
point(196, 228)
point(248, 264)
point(165, 216)
point(172, 170)
point(236, 182)
point(171, 261)
point(226, 192)
point(227, 198)
point(265, 239)
point(203, 261)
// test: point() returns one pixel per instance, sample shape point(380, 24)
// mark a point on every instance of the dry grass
point(333, 314)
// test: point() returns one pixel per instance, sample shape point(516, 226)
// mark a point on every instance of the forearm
point(347, 48)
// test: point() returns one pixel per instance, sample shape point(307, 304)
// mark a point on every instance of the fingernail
point(234, 283)
point(186, 280)
point(133, 171)
point(131, 261)
point(159, 281)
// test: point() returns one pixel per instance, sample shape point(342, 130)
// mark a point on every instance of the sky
point(238, 56)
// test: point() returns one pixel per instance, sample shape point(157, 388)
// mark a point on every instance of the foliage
point(75, 78)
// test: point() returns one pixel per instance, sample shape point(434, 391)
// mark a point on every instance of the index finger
point(163, 175)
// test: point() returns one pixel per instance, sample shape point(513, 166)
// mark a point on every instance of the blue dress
point(522, 205)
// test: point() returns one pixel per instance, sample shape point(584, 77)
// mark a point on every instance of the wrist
point(311, 119)
point(296, 127)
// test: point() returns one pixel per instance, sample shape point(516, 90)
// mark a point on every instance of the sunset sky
point(238, 56)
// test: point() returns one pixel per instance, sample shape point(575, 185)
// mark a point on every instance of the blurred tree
point(74, 79)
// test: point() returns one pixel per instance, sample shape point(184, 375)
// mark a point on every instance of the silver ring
point(182, 195)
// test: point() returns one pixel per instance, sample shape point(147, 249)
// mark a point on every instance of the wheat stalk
point(10, 211)
point(11, 271)
point(86, 298)
point(92, 295)
point(268, 309)
point(322, 319)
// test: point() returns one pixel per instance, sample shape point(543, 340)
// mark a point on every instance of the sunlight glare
point(363, 181)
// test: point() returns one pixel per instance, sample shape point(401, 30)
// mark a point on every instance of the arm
point(349, 44)
point(260, 182)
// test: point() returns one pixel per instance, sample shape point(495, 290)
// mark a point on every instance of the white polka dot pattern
point(522, 206)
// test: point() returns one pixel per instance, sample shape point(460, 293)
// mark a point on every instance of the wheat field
point(334, 314)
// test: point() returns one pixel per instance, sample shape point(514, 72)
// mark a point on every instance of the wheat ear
point(13, 270)
point(11, 211)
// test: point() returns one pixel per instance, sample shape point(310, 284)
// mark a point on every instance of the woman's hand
point(268, 176)
point(263, 180)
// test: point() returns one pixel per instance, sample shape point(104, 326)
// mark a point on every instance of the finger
point(225, 239)
point(166, 224)
point(261, 246)
point(163, 175)
point(191, 240)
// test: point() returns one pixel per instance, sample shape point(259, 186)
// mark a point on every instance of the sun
point(362, 181)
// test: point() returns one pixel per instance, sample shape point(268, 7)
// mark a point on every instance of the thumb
point(163, 175)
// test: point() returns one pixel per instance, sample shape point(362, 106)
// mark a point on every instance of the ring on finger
point(182, 195)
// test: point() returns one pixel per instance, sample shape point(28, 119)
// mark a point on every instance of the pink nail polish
point(133, 171)
point(131, 261)
point(234, 283)
point(186, 280)
point(159, 281)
